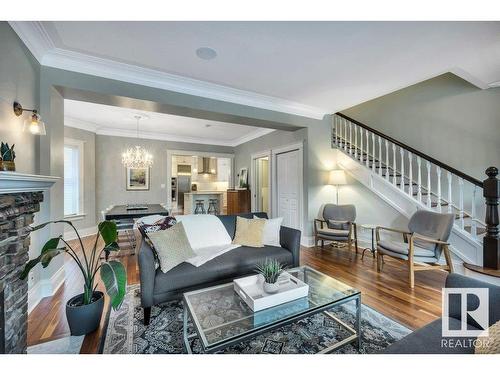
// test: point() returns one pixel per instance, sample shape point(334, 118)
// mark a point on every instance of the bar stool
point(200, 207)
point(212, 206)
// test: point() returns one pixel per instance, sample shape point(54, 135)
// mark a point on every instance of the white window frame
point(79, 144)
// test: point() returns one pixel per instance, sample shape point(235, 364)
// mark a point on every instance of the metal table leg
point(358, 322)
point(373, 245)
point(187, 345)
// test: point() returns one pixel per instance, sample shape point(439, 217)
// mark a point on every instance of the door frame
point(274, 185)
point(253, 178)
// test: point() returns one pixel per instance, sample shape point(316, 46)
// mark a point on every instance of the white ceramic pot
point(271, 288)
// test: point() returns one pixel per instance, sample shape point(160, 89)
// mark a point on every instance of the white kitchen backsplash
point(217, 185)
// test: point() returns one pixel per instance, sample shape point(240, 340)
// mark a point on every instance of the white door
point(288, 188)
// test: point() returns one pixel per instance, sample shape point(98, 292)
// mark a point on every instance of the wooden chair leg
point(322, 244)
point(147, 315)
point(411, 273)
point(447, 256)
point(379, 262)
point(349, 243)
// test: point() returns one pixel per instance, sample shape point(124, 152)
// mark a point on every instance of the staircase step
point(434, 204)
point(479, 230)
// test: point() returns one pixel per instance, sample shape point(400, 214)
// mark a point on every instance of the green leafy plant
point(7, 153)
point(112, 272)
point(271, 269)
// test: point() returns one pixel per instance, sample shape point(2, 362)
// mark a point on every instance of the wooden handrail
point(415, 152)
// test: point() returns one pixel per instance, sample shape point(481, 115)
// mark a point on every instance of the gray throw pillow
point(172, 246)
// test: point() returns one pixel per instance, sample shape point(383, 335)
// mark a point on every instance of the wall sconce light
point(33, 123)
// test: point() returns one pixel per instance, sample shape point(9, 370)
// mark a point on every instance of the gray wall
point(89, 172)
point(110, 185)
point(19, 79)
point(445, 117)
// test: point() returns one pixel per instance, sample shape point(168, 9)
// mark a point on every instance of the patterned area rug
point(127, 334)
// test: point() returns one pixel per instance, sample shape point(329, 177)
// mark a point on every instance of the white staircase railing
point(417, 175)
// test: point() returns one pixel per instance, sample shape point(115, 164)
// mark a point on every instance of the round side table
point(372, 228)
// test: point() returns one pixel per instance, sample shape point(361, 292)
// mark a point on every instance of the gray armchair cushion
point(338, 233)
point(335, 212)
point(403, 249)
point(433, 225)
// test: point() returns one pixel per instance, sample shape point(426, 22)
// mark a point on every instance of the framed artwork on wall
point(243, 180)
point(137, 179)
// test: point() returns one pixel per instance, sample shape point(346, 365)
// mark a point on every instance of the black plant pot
point(83, 319)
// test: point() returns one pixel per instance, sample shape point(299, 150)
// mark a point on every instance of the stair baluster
point(355, 142)
point(461, 201)
point(361, 146)
point(402, 179)
point(373, 153)
point(419, 179)
point(350, 138)
point(473, 225)
point(345, 135)
point(394, 165)
point(380, 155)
point(450, 204)
point(387, 160)
point(410, 174)
point(367, 148)
point(429, 201)
point(337, 136)
point(438, 173)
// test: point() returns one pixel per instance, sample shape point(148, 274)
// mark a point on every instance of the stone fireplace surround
point(20, 198)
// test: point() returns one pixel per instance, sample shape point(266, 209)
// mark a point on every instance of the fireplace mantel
point(13, 182)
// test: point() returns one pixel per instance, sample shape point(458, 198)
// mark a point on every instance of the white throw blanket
point(207, 236)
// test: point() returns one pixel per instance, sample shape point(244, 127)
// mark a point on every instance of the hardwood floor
point(387, 292)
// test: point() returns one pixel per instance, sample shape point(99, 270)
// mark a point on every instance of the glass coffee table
point(221, 318)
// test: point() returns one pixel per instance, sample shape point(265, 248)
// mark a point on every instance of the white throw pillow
point(271, 232)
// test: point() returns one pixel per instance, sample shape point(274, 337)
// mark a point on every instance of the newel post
point(491, 242)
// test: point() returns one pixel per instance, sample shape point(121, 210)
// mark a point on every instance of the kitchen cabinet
point(223, 169)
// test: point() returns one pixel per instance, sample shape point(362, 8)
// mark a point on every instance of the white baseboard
point(71, 235)
point(45, 288)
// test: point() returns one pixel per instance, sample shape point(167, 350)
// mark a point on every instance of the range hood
point(207, 165)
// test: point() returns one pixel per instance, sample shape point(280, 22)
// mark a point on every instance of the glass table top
point(220, 315)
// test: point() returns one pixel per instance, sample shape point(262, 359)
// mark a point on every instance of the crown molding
point(115, 132)
point(38, 41)
point(34, 36)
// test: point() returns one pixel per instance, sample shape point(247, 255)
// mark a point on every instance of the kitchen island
point(191, 197)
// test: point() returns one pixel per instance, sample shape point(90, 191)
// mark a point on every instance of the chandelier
point(137, 157)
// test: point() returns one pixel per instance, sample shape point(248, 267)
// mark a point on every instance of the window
point(73, 178)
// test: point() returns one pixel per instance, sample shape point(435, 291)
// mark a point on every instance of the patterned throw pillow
point(249, 232)
point(161, 224)
point(172, 246)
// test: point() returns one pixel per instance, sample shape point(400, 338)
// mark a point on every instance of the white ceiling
point(118, 121)
point(305, 68)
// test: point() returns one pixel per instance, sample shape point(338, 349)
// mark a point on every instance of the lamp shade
point(337, 177)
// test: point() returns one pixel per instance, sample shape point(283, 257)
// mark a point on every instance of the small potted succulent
point(84, 310)
point(270, 270)
point(7, 156)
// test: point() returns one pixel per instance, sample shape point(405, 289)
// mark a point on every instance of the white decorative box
point(251, 290)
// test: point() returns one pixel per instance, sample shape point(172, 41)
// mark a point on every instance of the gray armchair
point(337, 223)
point(424, 243)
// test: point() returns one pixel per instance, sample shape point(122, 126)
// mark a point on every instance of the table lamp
point(337, 178)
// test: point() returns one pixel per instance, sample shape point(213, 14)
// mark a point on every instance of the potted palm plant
point(84, 310)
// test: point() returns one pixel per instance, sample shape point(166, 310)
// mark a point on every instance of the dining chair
point(340, 225)
point(421, 246)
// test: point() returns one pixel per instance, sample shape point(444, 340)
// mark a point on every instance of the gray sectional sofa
point(428, 339)
point(158, 287)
